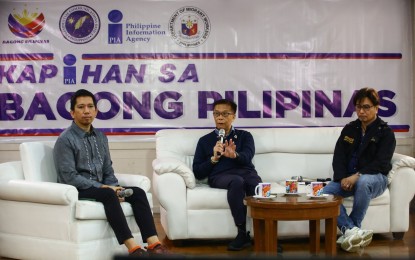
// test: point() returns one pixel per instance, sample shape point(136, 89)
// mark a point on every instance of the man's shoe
point(279, 248)
point(158, 250)
point(367, 236)
point(355, 238)
point(139, 252)
point(352, 240)
point(241, 241)
point(340, 240)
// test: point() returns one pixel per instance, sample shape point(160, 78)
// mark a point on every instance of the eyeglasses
point(364, 107)
point(224, 114)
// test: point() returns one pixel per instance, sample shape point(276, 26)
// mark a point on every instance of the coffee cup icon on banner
point(291, 186)
point(263, 189)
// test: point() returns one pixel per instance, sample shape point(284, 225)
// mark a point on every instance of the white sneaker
point(367, 236)
point(356, 238)
point(340, 239)
point(352, 240)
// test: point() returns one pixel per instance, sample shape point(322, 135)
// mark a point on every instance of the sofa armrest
point(140, 181)
point(171, 192)
point(399, 161)
point(402, 191)
point(172, 165)
point(38, 192)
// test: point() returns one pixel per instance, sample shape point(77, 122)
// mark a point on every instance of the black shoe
point(241, 241)
point(139, 253)
point(279, 248)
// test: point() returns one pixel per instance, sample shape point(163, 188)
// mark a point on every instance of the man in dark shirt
point(361, 162)
point(228, 165)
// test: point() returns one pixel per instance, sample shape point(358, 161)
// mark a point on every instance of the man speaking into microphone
point(225, 157)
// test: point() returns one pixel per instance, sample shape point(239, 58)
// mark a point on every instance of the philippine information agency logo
point(26, 25)
point(189, 26)
point(79, 24)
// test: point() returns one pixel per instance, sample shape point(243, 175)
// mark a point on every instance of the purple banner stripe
point(137, 131)
point(26, 56)
point(155, 56)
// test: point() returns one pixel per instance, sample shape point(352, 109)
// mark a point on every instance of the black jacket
point(375, 154)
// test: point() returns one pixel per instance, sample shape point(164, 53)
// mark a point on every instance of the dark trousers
point(115, 216)
point(239, 183)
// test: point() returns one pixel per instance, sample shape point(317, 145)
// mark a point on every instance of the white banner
point(161, 64)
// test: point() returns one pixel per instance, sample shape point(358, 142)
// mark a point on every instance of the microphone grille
point(222, 132)
point(128, 192)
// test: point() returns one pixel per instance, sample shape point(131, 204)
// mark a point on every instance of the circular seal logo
point(79, 24)
point(189, 26)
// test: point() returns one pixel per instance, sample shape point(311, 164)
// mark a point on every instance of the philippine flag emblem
point(189, 25)
point(26, 25)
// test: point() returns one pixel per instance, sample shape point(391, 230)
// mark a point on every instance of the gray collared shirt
point(83, 159)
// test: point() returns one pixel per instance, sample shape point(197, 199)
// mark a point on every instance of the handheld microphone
point(125, 193)
point(221, 136)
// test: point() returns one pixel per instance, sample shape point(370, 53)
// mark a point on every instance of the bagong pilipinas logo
point(26, 25)
point(79, 24)
point(189, 26)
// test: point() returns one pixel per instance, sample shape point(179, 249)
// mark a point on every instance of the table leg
point(314, 227)
point(330, 237)
point(259, 235)
point(271, 227)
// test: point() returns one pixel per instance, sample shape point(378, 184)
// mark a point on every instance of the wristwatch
point(236, 154)
point(213, 161)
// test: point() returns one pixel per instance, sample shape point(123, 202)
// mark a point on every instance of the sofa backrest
point(178, 143)
point(37, 161)
point(279, 152)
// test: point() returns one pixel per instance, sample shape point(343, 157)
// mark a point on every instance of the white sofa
point(42, 219)
point(190, 209)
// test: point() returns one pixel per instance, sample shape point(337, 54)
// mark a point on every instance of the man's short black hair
point(369, 93)
point(82, 93)
point(226, 102)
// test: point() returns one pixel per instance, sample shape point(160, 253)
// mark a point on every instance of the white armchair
point(43, 219)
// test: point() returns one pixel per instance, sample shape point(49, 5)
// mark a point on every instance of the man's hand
point(116, 189)
point(218, 150)
point(230, 148)
point(348, 183)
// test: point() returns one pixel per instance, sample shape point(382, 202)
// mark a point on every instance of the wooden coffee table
point(267, 212)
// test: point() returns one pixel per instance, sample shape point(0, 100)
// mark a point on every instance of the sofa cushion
point(86, 209)
point(383, 199)
point(204, 197)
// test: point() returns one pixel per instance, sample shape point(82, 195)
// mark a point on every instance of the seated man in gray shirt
point(82, 159)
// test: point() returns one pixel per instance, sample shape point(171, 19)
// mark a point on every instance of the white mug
point(263, 189)
point(316, 188)
point(291, 186)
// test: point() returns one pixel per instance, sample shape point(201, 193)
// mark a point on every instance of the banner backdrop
point(161, 64)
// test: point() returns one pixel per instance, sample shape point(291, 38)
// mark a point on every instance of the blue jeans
point(367, 187)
